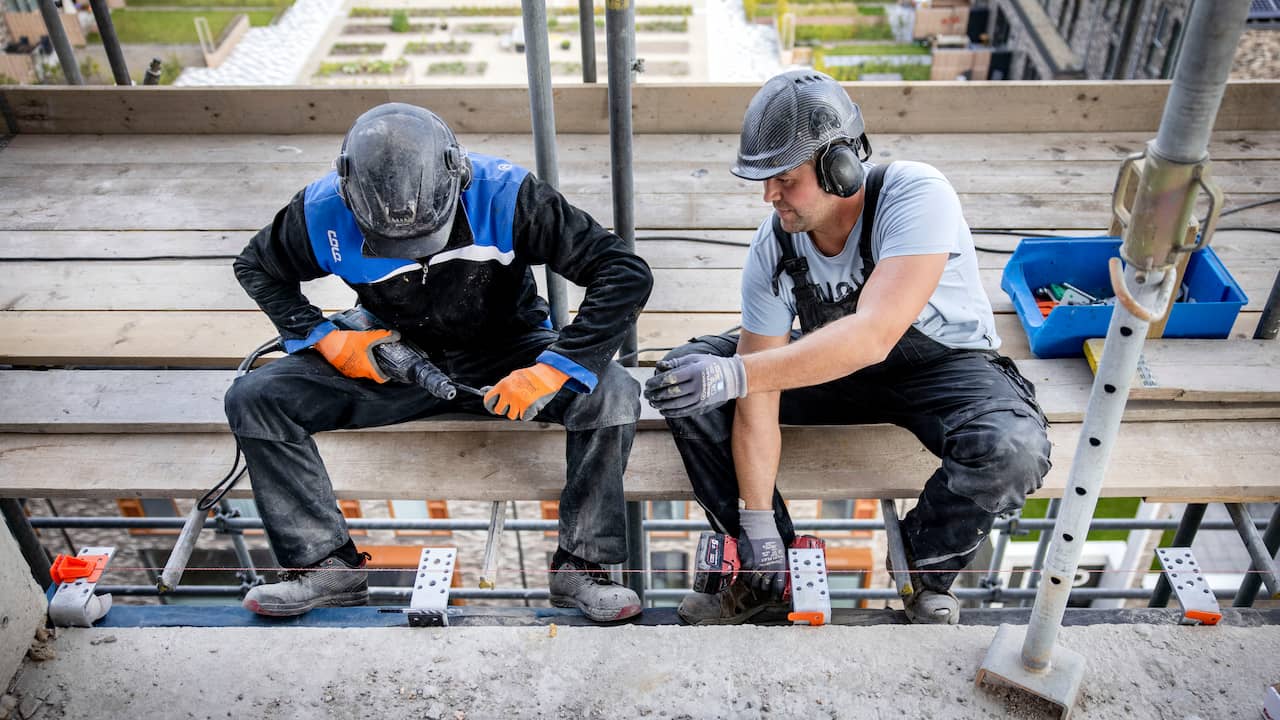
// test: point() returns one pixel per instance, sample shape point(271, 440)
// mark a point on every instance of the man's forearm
point(757, 445)
point(839, 349)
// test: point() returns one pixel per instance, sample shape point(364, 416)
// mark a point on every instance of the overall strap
point(792, 264)
point(875, 180)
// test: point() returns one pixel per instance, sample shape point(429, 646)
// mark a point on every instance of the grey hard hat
point(401, 173)
point(793, 116)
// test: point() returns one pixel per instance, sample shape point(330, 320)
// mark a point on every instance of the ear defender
point(456, 159)
point(840, 171)
point(343, 165)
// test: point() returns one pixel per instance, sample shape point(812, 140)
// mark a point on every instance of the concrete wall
point(22, 606)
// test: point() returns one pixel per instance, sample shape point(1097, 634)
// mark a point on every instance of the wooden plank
point(210, 285)
point(146, 401)
point(656, 108)
point(1197, 461)
point(961, 149)
point(1231, 370)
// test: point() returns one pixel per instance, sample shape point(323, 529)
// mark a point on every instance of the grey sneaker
point(734, 605)
point(586, 586)
point(329, 583)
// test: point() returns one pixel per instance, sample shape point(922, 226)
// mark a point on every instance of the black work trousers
point(275, 410)
point(970, 408)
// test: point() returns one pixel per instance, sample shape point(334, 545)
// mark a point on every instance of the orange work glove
point(522, 394)
point(351, 351)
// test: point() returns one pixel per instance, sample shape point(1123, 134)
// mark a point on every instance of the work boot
point(927, 607)
point(734, 605)
point(587, 586)
point(329, 583)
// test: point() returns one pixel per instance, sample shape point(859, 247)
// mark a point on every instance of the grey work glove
point(763, 555)
point(695, 384)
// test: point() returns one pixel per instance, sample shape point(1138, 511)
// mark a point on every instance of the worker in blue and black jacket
point(437, 244)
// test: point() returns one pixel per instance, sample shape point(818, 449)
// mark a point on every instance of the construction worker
point(894, 328)
point(437, 244)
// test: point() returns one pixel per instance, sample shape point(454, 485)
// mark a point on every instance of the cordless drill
point(716, 563)
point(401, 361)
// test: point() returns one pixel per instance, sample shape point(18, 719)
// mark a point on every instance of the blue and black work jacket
point(476, 294)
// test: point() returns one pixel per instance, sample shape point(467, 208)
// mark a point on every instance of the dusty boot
point(935, 608)
point(928, 607)
point(586, 586)
point(734, 605)
point(329, 583)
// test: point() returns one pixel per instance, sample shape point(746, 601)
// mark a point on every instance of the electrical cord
point(215, 494)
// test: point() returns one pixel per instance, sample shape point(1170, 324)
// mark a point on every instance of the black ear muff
point(457, 162)
point(467, 172)
point(343, 166)
point(839, 170)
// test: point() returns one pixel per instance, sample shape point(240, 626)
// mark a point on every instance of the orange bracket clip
point(1203, 617)
point(69, 568)
point(812, 618)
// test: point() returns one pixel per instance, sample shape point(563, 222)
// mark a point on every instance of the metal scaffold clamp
point(74, 603)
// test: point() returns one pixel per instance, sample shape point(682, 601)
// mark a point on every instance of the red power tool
point(716, 563)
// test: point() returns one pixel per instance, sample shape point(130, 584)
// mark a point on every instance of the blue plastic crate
point(1215, 297)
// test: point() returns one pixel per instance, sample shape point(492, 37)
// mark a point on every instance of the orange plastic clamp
point(813, 618)
point(1205, 618)
point(68, 568)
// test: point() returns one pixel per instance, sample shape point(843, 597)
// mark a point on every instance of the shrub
point(681, 25)
point(399, 21)
point(363, 67)
point(457, 67)
point(565, 44)
point(870, 9)
point(357, 48)
point(451, 47)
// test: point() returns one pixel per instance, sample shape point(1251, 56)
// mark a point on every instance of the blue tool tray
point(1214, 297)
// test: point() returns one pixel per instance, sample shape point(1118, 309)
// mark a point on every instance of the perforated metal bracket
point(74, 603)
point(1199, 605)
point(428, 607)
point(810, 595)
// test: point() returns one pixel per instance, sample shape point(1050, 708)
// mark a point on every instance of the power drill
point(716, 563)
point(402, 360)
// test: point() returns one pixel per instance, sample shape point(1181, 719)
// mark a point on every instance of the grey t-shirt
point(918, 214)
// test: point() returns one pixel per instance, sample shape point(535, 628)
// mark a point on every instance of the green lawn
point(870, 49)
point(1107, 508)
point(278, 4)
point(175, 27)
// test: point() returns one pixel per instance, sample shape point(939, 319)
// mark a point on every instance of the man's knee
point(614, 401)
point(721, 345)
point(254, 411)
point(997, 459)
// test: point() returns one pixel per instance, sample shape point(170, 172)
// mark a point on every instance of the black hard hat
point(401, 172)
point(791, 118)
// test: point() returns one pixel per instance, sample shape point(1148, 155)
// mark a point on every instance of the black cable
point(1242, 208)
point(215, 494)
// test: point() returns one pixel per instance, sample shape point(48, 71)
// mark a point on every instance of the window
point(420, 510)
point(550, 511)
point(841, 509)
point(396, 565)
point(670, 569)
point(669, 510)
point(148, 507)
point(848, 568)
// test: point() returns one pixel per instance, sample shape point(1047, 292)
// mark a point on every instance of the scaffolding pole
point(110, 42)
point(587, 37)
point(1173, 168)
point(537, 57)
point(58, 36)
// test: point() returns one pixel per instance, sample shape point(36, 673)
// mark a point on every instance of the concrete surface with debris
point(1134, 672)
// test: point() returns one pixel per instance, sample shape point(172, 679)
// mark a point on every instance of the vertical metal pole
point(587, 38)
point(1269, 323)
point(1271, 540)
point(637, 549)
point(1185, 535)
point(58, 36)
point(32, 551)
point(619, 27)
point(992, 580)
point(249, 576)
point(1261, 564)
point(1042, 545)
point(110, 43)
point(1159, 217)
point(537, 57)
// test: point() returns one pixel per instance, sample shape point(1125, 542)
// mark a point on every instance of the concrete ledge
point(22, 606)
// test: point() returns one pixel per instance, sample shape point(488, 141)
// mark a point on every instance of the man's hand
point(763, 555)
point(522, 394)
point(351, 352)
point(694, 384)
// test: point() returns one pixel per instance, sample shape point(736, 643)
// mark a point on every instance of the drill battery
point(716, 563)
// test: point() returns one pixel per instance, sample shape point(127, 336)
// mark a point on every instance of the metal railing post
point(587, 37)
point(1175, 166)
point(58, 36)
point(619, 24)
point(537, 57)
point(110, 42)
point(1271, 541)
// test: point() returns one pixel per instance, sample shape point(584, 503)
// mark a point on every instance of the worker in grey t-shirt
point(878, 266)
